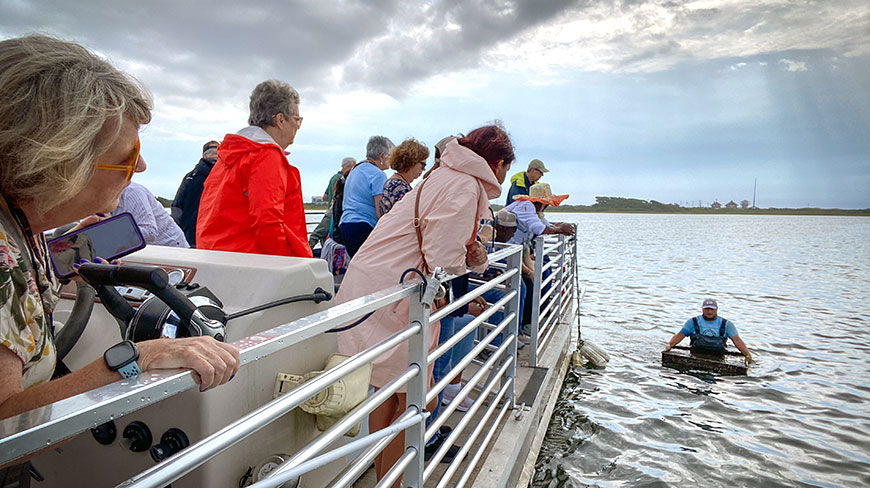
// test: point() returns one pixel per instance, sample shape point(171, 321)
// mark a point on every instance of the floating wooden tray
point(730, 364)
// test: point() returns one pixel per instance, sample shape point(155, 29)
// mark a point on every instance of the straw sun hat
point(541, 193)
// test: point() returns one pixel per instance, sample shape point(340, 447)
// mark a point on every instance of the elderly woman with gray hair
point(252, 199)
point(69, 144)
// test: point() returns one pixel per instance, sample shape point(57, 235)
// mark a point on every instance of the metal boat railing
point(494, 379)
point(554, 288)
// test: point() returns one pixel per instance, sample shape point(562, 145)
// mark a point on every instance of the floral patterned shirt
point(26, 302)
point(394, 189)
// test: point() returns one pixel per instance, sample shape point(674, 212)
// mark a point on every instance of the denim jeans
point(443, 365)
point(354, 235)
point(493, 296)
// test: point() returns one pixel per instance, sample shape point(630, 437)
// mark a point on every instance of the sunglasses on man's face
point(129, 164)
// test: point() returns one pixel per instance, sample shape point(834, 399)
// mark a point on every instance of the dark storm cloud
point(210, 48)
point(220, 48)
point(447, 36)
point(204, 50)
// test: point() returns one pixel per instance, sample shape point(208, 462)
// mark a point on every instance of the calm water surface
point(796, 288)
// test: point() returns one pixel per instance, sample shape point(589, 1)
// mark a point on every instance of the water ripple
point(791, 285)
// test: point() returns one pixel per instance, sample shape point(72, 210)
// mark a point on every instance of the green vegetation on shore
point(634, 205)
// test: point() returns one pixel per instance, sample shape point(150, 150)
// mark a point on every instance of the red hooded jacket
point(252, 201)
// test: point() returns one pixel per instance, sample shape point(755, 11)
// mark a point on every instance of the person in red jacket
point(252, 200)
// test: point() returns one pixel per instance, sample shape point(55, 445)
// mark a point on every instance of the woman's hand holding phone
point(105, 239)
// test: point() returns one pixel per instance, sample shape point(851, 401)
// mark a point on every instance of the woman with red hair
point(452, 200)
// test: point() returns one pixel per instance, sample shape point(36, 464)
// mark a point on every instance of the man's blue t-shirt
point(710, 328)
point(363, 183)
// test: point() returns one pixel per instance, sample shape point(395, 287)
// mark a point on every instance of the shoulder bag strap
point(417, 226)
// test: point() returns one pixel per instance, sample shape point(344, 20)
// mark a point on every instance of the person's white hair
point(270, 98)
point(347, 162)
point(378, 145)
point(61, 108)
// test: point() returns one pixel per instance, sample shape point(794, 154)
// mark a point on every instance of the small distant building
point(731, 204)
point(744, 204)
point(716, 205)
point(318, 200)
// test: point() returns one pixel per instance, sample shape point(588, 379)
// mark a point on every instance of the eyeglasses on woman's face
point(128, 165)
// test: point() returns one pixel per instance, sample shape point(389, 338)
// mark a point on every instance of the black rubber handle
point(116, 305)
point(151, 278)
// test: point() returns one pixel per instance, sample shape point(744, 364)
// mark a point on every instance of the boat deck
point(243, 428)
point(509, 457)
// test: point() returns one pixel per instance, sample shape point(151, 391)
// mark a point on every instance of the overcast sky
point(676, 101)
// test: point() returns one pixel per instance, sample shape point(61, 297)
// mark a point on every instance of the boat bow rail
point(494, 379)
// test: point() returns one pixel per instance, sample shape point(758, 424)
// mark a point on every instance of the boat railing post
point(536, 301)
point(418, 352)
point(514, 261)
point(559, 293)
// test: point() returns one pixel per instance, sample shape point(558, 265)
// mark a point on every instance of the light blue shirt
point(529, 224)
point(710, 328)
point(363, 183)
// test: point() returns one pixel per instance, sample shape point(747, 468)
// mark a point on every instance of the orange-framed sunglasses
point(129, 164)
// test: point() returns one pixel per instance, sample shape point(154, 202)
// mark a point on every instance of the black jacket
point(185, 206)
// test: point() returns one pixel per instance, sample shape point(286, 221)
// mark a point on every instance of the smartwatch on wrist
point(122, 358)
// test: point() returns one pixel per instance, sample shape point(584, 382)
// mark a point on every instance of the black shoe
point(433, 446)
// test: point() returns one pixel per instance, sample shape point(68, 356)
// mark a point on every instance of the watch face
point(120, 354)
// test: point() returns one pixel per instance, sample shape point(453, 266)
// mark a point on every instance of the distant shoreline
point(833, 212)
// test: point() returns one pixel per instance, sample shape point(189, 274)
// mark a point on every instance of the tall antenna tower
point(754, 187)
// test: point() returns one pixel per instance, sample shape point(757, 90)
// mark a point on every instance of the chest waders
point(708, 343)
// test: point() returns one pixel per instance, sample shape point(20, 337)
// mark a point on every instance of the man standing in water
point(708, 332)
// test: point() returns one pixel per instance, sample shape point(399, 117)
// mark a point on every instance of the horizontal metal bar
point(359, 413)
point(484, 420)
point(471, 295)
point(338, 453)
point(547, 294)
point(548, 280)
point(193, 456)
point(545, 325)
point(543, 321)
point(361, 463)
point(492, 257)
point(549, 249)
point(466, 360)
point(552, 319)
point(476, 282)
point(260, 345)
point(547, 334)
point(472, 382)
point(549, 264)
point(398, 469)
point(453, 340)
point(463, 422)
point(567, 298)
point(549, 306)
point(466, 474)
point(41, 427)
point(508, 251)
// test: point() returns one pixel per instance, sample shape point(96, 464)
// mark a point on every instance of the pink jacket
point(454, 199)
